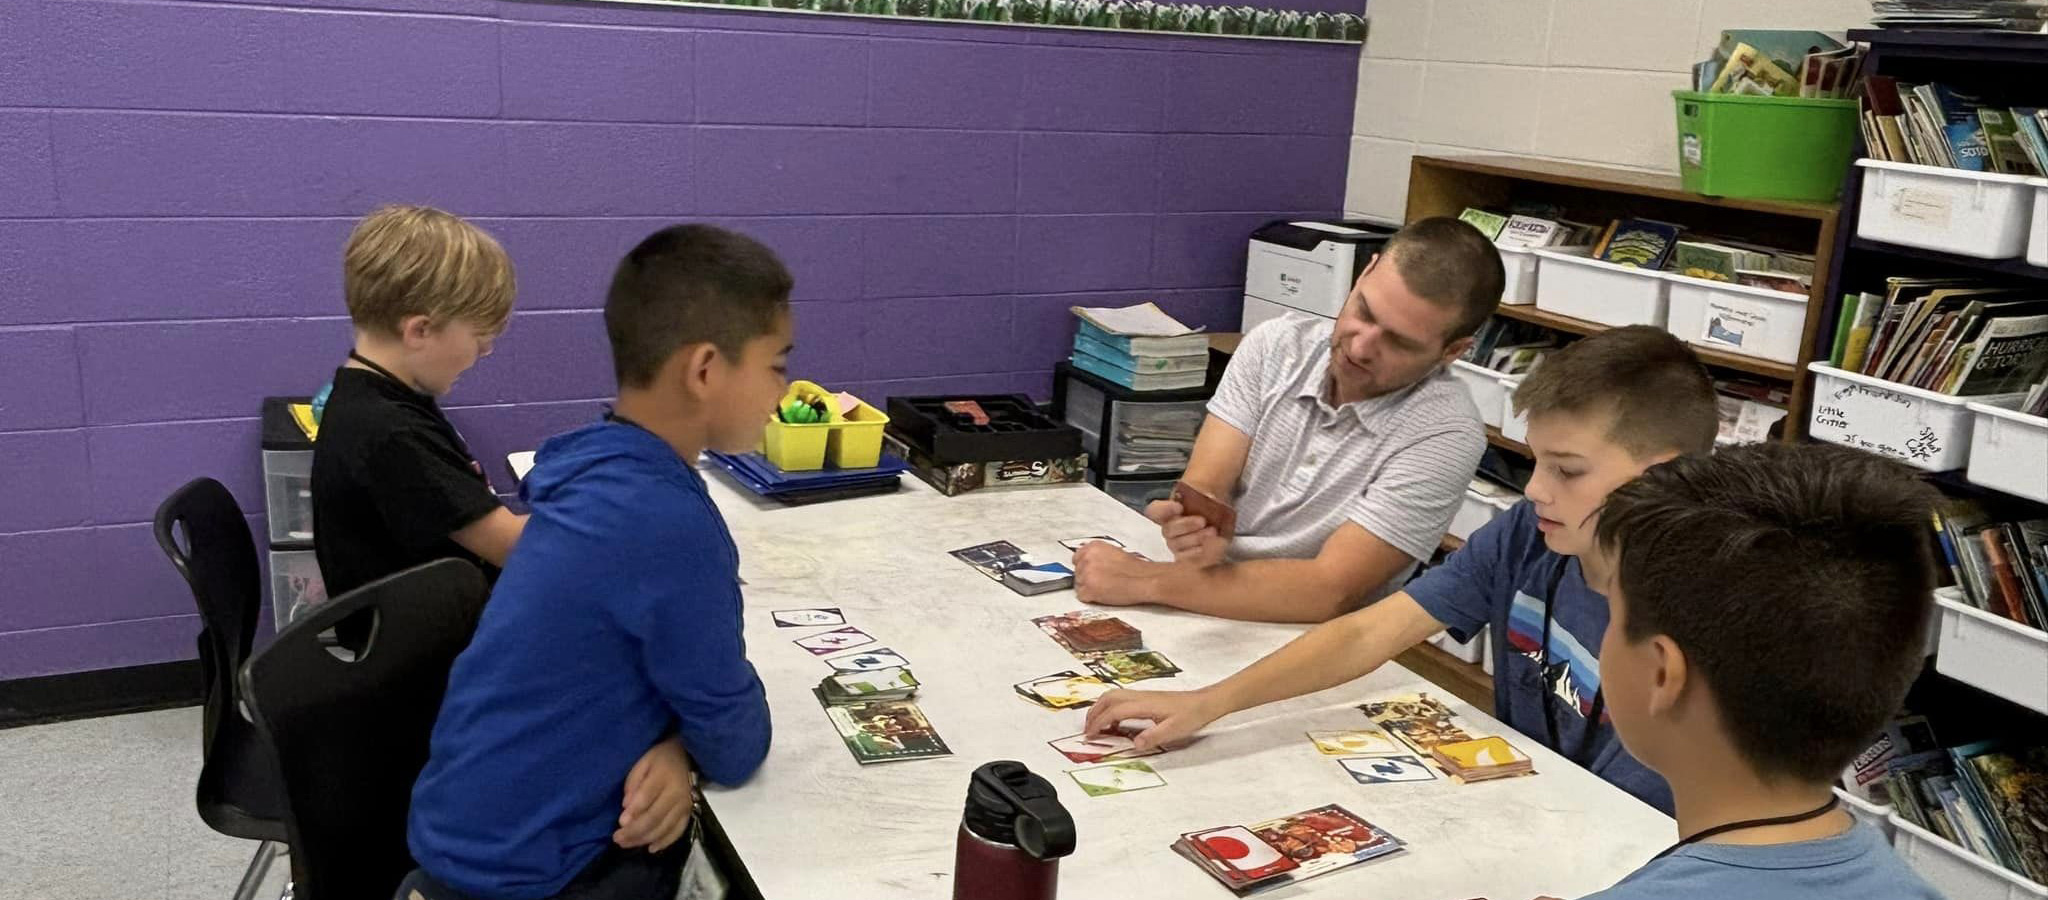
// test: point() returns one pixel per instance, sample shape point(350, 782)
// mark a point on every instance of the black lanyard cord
point(1585, 744)
point(367, 364)
point(1814, 813)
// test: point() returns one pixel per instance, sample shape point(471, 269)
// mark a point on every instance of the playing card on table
point(1081, 748)
point(1129, 666)
point(1420, 721)
point(1357, 743)
point(800, 618)
point(868, 660)
point(1116, 778)
point(1088, 631)
point(885, 730)
point(1241, 855)
point(1064, 690)
point(1077, 543)
point(834, 641)
point(993, 558)
point(1387, 769)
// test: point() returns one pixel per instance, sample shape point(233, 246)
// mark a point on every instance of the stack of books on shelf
point(1985, 797)
point(1749, 408)
point(1510, 347)
point(1780, 63)
point(1998, 15)
point(1999, 562)
point(1936, 125)
point(1648, 244)
point(1951, 336)
point(1140, 347)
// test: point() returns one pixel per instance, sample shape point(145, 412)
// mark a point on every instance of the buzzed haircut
point(1659, 395)
point(1449, 263)
point(691, 284)
point(405, 261)
point(1797, 581)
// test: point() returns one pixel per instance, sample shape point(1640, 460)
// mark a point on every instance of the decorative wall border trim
point(1119, 16)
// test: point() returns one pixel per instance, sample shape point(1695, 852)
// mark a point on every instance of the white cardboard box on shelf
point(1992, 653)
point(2037, 246)
point(1921, 428)
point(1470, 651)
point(1519, 263)
point(2009, 451)
point(1475, 511)
point(1600, 291)
point(1876, 815)
point(1954, 872)
point(1752, 321)
point(1489, 389)
point(1513, 426)
point(1980, 214)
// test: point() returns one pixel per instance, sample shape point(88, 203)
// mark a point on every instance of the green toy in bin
point(1764, 148)
point(810, 430)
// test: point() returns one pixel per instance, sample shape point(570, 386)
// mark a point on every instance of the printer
point(1306, 268)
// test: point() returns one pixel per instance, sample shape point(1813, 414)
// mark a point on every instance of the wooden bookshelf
point(1495, 438)
point(1446, 186)
point(1467, 681)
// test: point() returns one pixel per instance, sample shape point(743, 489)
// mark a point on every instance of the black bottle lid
point(1007, 804)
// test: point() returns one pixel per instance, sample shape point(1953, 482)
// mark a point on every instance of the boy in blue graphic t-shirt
point(1600, 411)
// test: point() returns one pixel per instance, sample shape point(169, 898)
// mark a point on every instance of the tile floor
point(102, 808)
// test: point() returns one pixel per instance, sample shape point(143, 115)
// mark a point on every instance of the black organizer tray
point(1016, 429)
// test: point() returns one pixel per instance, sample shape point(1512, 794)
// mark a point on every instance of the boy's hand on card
point(660, 792)
point(1174, 716)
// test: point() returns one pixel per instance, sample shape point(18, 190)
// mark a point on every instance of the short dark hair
point(691, 284)
point(1797, 580)
point(1661, 398)
point(1449, 263)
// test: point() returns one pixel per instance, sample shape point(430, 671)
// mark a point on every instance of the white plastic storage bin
point(1993, 653)
point(1084, 405)
point(1513, 426)
point(1475, 511)
point(1136, 493)
point(1489, 389)
point(1923, 429)
point(1956, 873)
point(288, 495)
point(1520, 265)
point(295, 585)
point(1980, 214)
point(1158, 422)
point(2037, 246)
point(1875, 815)
point(2009, 451)
point(1738, 318)
point(1470, 651)
point(1600, 291)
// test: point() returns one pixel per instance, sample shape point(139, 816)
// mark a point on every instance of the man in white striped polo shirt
point(1345, 447)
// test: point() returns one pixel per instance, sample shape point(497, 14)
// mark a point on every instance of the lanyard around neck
point(1814, 813)
point(372, 366)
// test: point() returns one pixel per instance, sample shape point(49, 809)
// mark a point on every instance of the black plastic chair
point(239, 793)
point(351, 734)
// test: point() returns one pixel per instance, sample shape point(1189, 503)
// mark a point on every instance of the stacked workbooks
point(1999, 562)
point(1140, 347)
point(1951, 336)
point(1936, 125)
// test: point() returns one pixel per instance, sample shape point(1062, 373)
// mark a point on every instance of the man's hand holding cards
point(1197, 527)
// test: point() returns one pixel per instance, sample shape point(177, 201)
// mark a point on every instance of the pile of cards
point(1081, 748)
point(1247, 858)
point(893, 683)
point(1089, 632)
point(1131, 666)
point(1482, 760)
point(1064, 690)
point(1372, 757)
point(1008, 564)
point(1444, 739)
point(868, 695)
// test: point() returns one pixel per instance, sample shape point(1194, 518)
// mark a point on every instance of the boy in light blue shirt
point(1767, 607)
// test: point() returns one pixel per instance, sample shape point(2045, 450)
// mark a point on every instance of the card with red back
point(1244, 856)
point(1217, 513)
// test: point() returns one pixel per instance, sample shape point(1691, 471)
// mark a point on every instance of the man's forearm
point(1258, 590)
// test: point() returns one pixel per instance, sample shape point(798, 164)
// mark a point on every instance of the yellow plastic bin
point(796, 448)
point(857, 442)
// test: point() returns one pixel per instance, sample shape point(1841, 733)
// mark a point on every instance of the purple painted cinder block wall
point(176, 181)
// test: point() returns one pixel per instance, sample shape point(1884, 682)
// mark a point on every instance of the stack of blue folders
point(1142, 363)
point(757, 474)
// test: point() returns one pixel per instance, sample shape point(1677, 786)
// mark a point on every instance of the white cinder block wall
point(1581, 80)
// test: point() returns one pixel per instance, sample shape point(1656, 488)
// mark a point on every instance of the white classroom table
point(813, 823)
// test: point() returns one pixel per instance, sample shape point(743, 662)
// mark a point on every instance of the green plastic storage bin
point(1765, 148)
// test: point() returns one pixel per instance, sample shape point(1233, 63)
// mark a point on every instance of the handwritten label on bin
point(1888, 423)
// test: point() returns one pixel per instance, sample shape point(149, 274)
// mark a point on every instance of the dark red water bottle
point(1012, 837)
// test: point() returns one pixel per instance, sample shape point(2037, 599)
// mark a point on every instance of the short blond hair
point(405, 261)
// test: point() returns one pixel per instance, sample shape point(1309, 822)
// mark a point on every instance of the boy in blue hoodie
point(617, 619)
